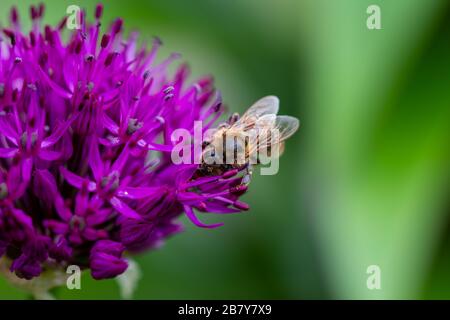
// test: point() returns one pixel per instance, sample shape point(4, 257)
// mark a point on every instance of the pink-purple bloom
point(85, 141)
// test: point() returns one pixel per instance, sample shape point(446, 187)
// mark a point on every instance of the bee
point(243, 141)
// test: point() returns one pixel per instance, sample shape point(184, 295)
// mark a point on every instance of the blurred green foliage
point(364, 182)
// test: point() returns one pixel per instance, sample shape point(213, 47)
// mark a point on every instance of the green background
point(364, 182)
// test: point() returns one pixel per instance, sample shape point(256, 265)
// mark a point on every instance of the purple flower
point(106, 259)
point(34, 253)
point(85, 142)
point(3, 246)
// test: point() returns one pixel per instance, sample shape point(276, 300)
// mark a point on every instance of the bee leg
point(248, 175)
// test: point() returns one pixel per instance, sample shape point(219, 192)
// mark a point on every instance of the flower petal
point(95, 161)
point(139, 192)
point(76, 181)
point(7, 129)
point(57, 133)
point(49, 155)
point(124, 209)
point(8, 152)
point(191, 215)
point(106, 260)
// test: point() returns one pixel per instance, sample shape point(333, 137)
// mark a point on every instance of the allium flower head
point(85, 167)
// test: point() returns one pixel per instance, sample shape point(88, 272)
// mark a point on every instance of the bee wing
point(266, 106)
point(267, 121)
point(285, 127)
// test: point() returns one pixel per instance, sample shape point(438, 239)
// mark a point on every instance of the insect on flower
point(243, 141)
point(85, 126)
